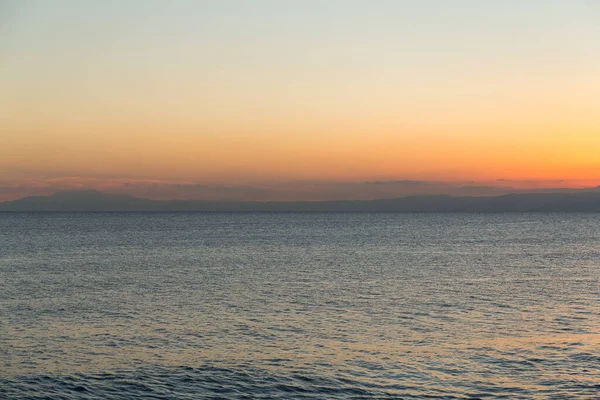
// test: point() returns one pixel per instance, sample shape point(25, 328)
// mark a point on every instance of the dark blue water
point(340, 306)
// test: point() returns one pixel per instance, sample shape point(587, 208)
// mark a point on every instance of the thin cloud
point(284, 191)
point(400, 182)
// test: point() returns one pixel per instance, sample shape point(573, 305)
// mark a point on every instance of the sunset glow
point(265, 94)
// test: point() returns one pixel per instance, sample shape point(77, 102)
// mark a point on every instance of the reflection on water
point(299, 305)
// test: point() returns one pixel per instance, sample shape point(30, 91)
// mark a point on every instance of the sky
point(306, 99)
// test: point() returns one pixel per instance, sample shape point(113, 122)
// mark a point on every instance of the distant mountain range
point(91, 200)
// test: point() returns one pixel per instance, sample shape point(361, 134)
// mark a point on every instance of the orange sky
point(261, 95)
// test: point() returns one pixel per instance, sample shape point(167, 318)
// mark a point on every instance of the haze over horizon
point(298, 100)
point(288, 191)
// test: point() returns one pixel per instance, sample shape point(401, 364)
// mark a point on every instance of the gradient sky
point(113, 94)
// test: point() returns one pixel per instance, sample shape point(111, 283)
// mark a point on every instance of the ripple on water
point(341, 306)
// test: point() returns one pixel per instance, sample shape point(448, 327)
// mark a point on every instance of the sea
point(299, 306)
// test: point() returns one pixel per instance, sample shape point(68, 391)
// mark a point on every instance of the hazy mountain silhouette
point(91, 200)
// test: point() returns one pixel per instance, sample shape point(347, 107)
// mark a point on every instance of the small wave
point(226, 383)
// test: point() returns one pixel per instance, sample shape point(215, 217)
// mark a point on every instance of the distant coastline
point(91, 200)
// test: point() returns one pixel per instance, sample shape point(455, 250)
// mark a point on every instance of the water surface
point(293, 305)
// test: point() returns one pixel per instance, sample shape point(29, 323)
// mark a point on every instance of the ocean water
point(299, 306)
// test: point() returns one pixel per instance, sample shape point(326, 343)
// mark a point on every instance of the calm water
point(340, 306)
